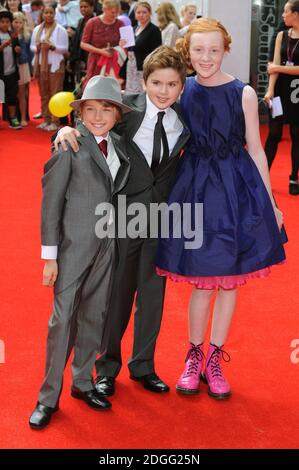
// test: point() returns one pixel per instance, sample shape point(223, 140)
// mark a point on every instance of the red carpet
point(263, 411)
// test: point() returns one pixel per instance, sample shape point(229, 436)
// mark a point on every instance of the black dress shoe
point(151, 382)
point(41, 416)
point(92, 399)
point(105, 385)
point(294, 187)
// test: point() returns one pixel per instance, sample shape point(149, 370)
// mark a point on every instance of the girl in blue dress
point(242, 226)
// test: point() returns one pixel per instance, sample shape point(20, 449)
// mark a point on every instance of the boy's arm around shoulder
point(55, 182)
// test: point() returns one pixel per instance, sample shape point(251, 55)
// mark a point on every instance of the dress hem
point(215, 282)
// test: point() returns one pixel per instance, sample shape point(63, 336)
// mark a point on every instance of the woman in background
point(49, 43)
point(147, 39)
point(100, 36)
point(169, 23)
point(21, 28)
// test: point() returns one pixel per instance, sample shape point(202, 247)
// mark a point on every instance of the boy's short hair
point(6, 14)
point(164, 57)
point(119, 113)
point(89, 2)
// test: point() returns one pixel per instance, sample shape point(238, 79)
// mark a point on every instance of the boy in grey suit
point(78, 263)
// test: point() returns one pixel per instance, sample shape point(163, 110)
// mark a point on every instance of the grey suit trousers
point(78, 321)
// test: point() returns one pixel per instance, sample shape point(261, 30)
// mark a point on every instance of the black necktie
point(103, 147)
point(159, 135)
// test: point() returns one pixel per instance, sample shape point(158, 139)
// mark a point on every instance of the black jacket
point(145, 43)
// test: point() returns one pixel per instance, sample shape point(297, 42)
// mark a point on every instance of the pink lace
point(213, 282)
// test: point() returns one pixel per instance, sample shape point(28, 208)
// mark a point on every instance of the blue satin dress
point(241, 238)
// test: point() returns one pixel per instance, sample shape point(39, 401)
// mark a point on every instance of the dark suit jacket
point(143, 185)
point(73, 185)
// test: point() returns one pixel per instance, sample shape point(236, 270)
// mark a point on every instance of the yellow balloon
point(59, 104)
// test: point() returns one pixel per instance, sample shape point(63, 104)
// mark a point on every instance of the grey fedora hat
point(102, 88)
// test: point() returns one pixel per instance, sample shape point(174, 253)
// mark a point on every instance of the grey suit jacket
point(73, 185)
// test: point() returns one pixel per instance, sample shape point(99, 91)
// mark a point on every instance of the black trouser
point(135, 274)
point(273, 139)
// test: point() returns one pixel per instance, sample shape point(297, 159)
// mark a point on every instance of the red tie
point(103, 147)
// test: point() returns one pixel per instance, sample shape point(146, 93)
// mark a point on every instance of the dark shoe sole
point(139, 379)
point(79, 397)
point(187, 391)
point(38, 428)
point(155, 390)
point(43, 426)
point(219, 396)
point(216, 396)
point(106, 394)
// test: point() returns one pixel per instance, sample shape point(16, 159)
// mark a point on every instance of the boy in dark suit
point(73, 188)
point(155, 136)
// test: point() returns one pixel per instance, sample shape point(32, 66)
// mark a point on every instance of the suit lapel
point(119, 145)
point(139, 106)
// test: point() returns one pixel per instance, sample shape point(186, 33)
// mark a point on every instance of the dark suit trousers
point(135, 273)
point(78, 321)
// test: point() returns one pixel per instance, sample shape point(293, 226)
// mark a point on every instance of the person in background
point(49, 42)
point(68, 14)
point(78, 57)
point(98, 7)
point(188, 14)
point(131, 12)
point(9, 51)
point(34, 9)
point(124, 9)
point(283, 71)
point(169, 23)
point(100, 37)
point(16, 5)
point(20, 27)
point(147, 39)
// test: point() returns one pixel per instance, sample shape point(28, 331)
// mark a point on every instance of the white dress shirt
point(144, 136)
point(50, 252)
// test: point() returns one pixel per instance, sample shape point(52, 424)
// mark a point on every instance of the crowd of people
point(62, 45)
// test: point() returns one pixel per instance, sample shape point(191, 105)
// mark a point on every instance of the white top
point(144, 136)
point(50, 252)
point(60, 40)
point(170, 34)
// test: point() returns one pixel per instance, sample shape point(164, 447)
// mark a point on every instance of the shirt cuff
point(49, 252)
